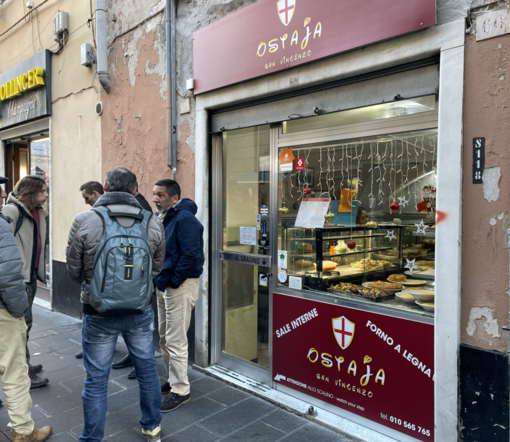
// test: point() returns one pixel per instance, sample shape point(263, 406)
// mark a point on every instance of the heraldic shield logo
point(286, 10)
point(344, 331)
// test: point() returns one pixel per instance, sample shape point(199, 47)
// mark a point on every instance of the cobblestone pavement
point(217, 411)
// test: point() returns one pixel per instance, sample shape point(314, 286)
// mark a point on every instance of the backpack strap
point(21, 218)
point(125, 214)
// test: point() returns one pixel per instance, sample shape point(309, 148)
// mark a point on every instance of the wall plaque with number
point(478, 159)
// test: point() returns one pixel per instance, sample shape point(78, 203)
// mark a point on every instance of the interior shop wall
point(485, 271)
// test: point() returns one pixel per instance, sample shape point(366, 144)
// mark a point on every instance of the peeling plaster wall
point(133, 129)
point(485, 261)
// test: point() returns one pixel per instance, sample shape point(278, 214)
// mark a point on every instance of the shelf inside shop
point(330, 238)
point(426, 234)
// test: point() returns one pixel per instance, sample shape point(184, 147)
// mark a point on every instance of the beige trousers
point(14, 372)
point(174, 311)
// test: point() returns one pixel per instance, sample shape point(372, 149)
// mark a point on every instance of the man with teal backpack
point(115, 250)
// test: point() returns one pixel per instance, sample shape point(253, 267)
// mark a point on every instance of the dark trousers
point(31, 291)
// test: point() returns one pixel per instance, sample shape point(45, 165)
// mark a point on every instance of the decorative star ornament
point(402, 201)
point(410, 265)
point(421, 228)
point(390, 235)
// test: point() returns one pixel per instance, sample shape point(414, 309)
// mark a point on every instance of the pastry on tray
point(303, 263)
point(426, 264)
point(384, 285)
point(359, 290)
point(397, 278)
point(328, 266)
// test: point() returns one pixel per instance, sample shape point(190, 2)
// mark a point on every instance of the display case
point(347, 261)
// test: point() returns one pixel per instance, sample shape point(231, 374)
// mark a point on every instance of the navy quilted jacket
point(184, 251)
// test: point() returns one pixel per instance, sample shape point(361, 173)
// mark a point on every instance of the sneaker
point(153, 435)
point(36, 436)
point(173, 401)
point(165, 388)
point(36, 382)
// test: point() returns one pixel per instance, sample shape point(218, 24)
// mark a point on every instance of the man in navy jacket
point(177, 286)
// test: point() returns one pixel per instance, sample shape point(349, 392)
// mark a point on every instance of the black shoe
point(79, 355)
point(132, 374)
point(165, 388)
point(1, 402)
point(123, 363)
point(35, 368)
point(173, 402)
point(36, 381)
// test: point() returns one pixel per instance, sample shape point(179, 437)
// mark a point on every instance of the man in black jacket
point(14, 368)
point(178, 285)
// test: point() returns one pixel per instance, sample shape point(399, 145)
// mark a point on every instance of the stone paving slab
point(217, 411)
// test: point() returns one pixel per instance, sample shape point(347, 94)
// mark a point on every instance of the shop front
point(25, 110)
point(335, 197)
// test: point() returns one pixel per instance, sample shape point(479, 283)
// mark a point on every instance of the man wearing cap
point(14, 368)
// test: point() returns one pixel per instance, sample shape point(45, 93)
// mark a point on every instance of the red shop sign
point(376, 366)
point(272, 35)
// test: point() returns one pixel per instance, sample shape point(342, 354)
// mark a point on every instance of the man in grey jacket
point(100, 330)
point(13, 364)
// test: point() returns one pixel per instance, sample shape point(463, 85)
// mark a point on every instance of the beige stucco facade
point(74, 126)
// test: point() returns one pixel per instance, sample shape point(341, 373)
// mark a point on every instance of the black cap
point(3, 180)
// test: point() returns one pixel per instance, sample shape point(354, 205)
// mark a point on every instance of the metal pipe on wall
point(102, 51)
point(170, 82)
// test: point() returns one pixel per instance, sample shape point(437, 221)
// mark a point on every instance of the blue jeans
point(99, 336)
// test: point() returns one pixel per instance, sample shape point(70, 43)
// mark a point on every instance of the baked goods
point(384, 285)
point(328, 266)
point(359, 290)
point(369, 265)
point(303, 263)
point(397, 278)
point(407, 296)
point(371, 225)
point(426, 264)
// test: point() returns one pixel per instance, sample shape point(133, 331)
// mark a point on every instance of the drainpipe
point(171, 149)
point(507, 327)
point(102, 54)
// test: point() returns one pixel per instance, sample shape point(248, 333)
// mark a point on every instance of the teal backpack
point(122, 272)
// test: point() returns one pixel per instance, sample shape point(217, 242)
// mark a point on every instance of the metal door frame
point(245, 368)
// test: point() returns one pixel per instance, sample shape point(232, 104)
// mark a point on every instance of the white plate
point(425, 274)
point(386, 290)
point(410, 300)
point(422, 295)
point(428, 308)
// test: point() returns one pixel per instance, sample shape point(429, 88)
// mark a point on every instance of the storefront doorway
point(269, 267)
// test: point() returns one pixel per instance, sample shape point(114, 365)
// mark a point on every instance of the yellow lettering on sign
point(23, 83)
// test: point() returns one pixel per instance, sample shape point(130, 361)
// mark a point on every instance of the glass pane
point(245, 313)
point(369, 113)
point(380, 216)
point(245, 189)
point(40, 161)
point(245, 300)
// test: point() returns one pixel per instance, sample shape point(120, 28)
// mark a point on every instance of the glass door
point(241, 250)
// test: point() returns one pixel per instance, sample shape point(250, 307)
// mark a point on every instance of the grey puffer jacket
point(87, 230)
point(13, 292)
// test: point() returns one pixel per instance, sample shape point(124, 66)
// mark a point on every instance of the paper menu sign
point(311, 212)
point(248, 236)
point(286, 160)
point(282, 259)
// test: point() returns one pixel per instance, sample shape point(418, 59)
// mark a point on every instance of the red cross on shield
point(344, 331)
point(300, 164)
point(286, 10)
